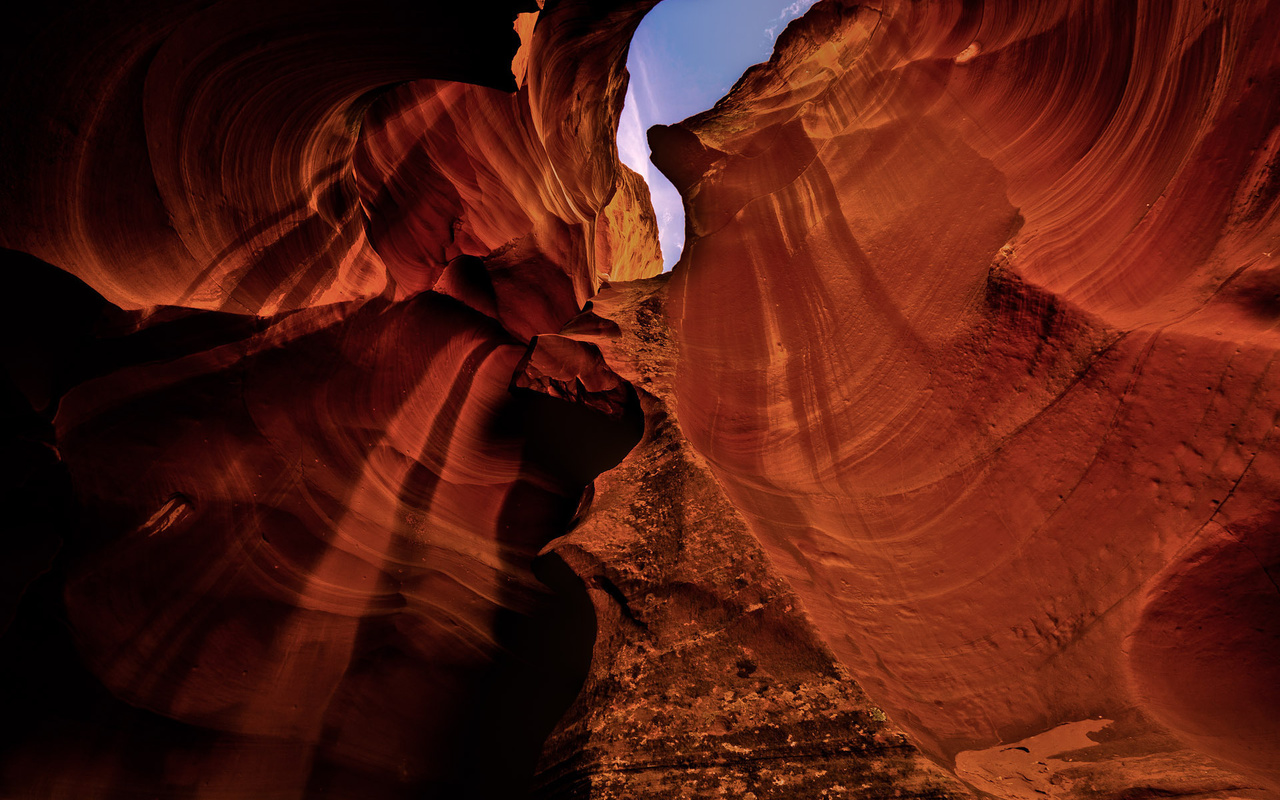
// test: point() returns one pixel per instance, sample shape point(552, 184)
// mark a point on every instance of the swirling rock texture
point(996, 395)
point(355, 449)
point(705, 678)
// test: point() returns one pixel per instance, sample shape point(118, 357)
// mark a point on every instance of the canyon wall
point(355, 448)
point(996, 392)
point(286, 451)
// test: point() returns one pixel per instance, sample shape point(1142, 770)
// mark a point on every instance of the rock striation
point(291, 499)
point(355, 448)
point(706, 678)
point(996, 392)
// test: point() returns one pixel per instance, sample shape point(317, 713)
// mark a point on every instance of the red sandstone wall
point(996, 391)
point(973, 336)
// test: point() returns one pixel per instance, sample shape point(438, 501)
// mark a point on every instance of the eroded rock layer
point(996, 393)
point(288, 499)
point(345, 455)
point(706, 677)
point(199, 154)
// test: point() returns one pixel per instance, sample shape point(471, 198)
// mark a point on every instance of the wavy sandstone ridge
point(944, 463)
point(996, 393)
point(302, 558)
point(202, 155)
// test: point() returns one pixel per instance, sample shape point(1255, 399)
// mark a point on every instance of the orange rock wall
point(998, 368)
point(952, 435)
point(306, 492)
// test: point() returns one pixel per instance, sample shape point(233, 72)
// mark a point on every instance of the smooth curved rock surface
point(1000, 359)
point(301, 557)
point(706, 678)
point(199, 154)
point(346, 456)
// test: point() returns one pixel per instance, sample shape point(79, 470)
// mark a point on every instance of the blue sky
point(686, 55)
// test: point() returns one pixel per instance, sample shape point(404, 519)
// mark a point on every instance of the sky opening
point(685, 56)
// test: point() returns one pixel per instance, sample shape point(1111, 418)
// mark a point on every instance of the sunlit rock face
point(996, 393)
point(297, 441)
point(705, 677)
point(353, 450)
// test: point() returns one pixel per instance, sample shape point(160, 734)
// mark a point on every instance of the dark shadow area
point(578, 442)
point(546, 662)
point(547, 651)
point(64, 728)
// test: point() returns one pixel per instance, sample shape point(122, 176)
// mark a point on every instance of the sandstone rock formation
point(355, 449)
point(996, 393)
point(705, 679)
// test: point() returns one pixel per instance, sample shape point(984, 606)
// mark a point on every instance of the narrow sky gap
point(686, 55)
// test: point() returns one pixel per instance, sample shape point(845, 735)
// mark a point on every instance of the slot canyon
point(357, 446)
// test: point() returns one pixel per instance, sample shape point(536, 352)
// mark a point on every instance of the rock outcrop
point(290, 499)
point(706, 678)
point(996, 392)
point(354, 447)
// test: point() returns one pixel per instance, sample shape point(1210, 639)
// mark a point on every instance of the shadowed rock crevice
point(706, 676)
point(179, 606)
point(297, 549)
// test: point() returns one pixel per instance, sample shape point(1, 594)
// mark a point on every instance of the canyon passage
point(357, 445)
